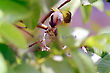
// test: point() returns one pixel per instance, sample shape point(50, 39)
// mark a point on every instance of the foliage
point(103, 65)
point(67, 52)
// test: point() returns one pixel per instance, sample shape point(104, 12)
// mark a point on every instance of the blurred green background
point(83, 46)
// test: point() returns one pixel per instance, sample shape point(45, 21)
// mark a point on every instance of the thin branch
point(22, 28)
point(35, 43)
point(64, 4)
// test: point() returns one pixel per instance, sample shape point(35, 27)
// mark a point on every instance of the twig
point(35, 43)
point(22, 28)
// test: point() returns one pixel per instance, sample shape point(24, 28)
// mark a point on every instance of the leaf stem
point(22, 28)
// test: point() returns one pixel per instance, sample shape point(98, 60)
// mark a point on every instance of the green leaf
point(55, 44)
point(96, 3)
point(104, 54)
point(92, 1)
point(104, 65)
point(65, 36)
point(23, 2)
point(56, 47)
point(25, 68)
point(10, 69)
point(72, 6)
point(99, 5)
point(1, 40)
point(13, 35)
point(52, 66)
point(50, 3)
point(42, 54)
point(83, 63)
point(29, 11)
point(86, 12)
point(22, 68)
point(87, 2)
point(8, 53)
point(13, 12)
point(3, 66)
point(100, 42)
point(32, 20)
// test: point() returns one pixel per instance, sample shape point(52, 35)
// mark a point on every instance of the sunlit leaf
point(92, 1)
point(104, 64)
point(96, 3)
point(99, 5)
point(3, 66)
point(83, 63)
point(13, 12)
point(86, 12)
point(7, 53)
point(13, 35)
point(85, 2)
point(100, 42)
